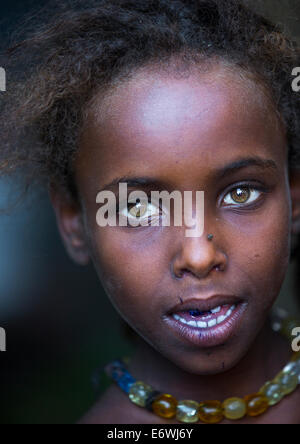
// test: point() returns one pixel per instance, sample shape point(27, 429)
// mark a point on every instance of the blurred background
point(56, 315)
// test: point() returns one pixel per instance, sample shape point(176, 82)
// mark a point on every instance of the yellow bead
point(187, 411)
point(257, 404)
point(211, 412)
point(273, 392)
point(139, 392)
point(165, 406)
point(234, 408)
point(287, 382)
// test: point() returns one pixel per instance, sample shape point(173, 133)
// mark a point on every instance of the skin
point(181, 132)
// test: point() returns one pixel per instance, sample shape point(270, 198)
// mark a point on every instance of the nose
point(199, 256)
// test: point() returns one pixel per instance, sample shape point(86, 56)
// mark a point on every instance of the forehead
point(155, 120)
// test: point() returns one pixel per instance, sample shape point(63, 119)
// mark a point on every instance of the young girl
point(186, 95)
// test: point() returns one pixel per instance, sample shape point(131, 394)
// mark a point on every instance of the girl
point(186, 95)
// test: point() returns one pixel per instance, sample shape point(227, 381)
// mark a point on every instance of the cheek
point(263, 249)
point(130, 267)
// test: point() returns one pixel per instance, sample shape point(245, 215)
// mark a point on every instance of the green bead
point(273, 392)
point(287, 382)
point(234, 408)
point(139, 392)
point(292, 368)
point(187, 411)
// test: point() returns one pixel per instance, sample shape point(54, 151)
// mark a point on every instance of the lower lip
point(210, 336)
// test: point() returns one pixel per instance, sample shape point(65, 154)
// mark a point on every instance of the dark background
point(60, 326)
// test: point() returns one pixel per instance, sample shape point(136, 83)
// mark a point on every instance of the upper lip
point(206, 304)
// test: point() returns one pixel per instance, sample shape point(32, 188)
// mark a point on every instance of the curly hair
point(57, 68)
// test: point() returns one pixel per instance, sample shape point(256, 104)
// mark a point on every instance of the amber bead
point(151, 398)
point(165, 406)
point(139, 392)
point(211, 412)
point(234, 408)
point(257, 404)
point(187, 411)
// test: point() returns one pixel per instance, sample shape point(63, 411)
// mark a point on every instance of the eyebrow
point(133, 182)
point(150, 182)
point(265, 164)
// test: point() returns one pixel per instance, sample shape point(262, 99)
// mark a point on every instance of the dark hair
point(94, 44)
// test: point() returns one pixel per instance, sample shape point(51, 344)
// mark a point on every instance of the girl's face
point(212, 132)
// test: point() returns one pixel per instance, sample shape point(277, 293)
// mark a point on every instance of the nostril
point(184, 272)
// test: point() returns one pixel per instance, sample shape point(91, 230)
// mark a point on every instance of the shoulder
point(113, 407)
point(107, 408)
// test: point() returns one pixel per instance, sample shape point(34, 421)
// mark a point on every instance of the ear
point(295, 196)
point(70, 225)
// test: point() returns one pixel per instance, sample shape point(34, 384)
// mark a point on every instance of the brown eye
point(138, 210)
point(140, 213)
point(242, 195)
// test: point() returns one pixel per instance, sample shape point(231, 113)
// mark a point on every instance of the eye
point(242, 195)
point(140, 211)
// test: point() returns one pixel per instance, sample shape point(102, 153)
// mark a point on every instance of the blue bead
point(118, 372)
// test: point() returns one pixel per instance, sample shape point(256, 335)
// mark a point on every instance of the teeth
point(211, 323)
point(221, 319)
point(206, 317)
point(192, 323)
point(216, 310)
point(229, 313)
point(201, 324)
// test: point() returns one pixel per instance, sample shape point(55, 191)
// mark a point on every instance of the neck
point(266, 357)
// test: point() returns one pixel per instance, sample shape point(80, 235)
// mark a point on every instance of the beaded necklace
point(213, 412)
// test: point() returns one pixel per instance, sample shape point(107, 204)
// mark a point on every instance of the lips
point(207, 322)
point(205, 304)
